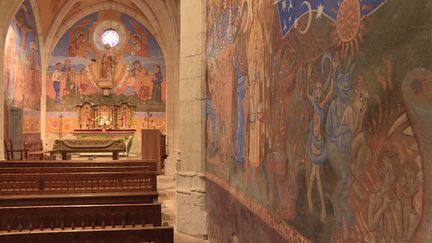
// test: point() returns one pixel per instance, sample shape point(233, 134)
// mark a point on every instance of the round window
point(110, 37)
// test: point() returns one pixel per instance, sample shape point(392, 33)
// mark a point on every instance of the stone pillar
point(172, 112)
point(3, 33)
point(43, 113)
point(190, 191)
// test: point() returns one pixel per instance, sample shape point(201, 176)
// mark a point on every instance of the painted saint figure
point(71, 87)
point(316, 151)
point(240, 74)
point(157, 85)
point(56, 77)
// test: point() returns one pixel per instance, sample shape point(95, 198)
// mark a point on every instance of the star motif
point(320, 11)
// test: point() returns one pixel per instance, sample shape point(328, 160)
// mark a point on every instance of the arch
point(5, 20)
point(55, 33)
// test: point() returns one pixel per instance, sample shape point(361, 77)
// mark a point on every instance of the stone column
point(190, 191)
point(172, 111)
point(3, 33)
point(44, 71)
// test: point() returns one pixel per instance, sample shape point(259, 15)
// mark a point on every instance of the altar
point(68, 146)
point(126, 135)
point(105, 122)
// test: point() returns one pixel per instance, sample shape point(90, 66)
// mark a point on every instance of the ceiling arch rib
point(36, 15)
point(58, 20)
point(147, 11)
point(163, 20)
point(56, 34)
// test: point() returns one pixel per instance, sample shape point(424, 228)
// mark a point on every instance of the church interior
point(222, 121)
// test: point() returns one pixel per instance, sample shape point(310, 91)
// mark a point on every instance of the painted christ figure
point(108, 63)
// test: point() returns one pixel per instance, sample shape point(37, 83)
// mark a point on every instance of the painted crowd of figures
point(82, 66)
point(66, 81)
point(305, 126)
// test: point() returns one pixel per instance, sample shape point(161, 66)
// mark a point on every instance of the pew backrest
point(83, 182)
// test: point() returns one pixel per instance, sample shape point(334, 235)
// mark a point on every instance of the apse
point(107, 58)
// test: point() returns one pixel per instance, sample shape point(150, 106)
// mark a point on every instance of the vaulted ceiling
point(161, 17)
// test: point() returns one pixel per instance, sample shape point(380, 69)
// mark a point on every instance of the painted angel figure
point(138, 42)
point(79, 45)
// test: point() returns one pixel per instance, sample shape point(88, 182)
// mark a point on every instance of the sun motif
point(349, 29)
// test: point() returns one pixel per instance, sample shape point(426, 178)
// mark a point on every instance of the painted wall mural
point(107, 57)
point(317, 116)
point(85, 62)
point(21, 73)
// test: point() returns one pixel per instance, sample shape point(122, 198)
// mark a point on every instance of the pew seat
point(79, 198)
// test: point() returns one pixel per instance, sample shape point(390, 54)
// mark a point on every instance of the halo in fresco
point(110, 37)
point(111, 28)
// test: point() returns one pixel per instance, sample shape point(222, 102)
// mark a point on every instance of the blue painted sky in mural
point(62, 46)
point(152, 45)
point(61, 50)
point(291, 10)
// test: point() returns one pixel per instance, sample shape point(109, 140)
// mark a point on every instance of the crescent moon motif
point(308, 5)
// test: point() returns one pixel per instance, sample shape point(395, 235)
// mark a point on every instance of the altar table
point(65, 146)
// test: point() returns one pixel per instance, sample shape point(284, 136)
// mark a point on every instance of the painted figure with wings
point(79, 45)
point(138, 45)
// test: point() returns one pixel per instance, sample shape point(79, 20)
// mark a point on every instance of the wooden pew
point(29, 218)
point(78, 199)
point(73, 163)
point(114, 235)
point(81, 182)
point(73, 169)
point(39, 202)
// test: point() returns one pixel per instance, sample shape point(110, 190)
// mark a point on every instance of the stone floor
point(166, 189)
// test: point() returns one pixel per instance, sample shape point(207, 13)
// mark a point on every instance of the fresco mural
point(106, 57)
point(314, 115)
point(83, 65)
point(22, 73)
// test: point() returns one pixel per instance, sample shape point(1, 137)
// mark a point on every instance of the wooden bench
point(65, 164)
point(114, 235)
point(82, 182)
point(79, 198)
point(80, 201)
point(29, 218)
